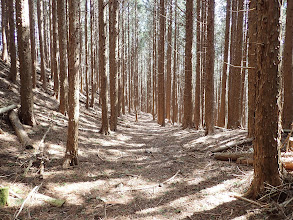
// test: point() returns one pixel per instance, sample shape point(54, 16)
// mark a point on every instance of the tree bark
point(252, 33)
point(13, 68)
point(288, 69)
point(24, 54)
point(102, 64)
point(266, 131)
point(4, 31)
point(169, 62)
point(71, 155)
point(41, 42)
point(113, 63)
point(210, 59)
point(222, 114)
point(161, 64)
point(33, 41)
point(63, 49)
point(54, 61)
point(187, 122)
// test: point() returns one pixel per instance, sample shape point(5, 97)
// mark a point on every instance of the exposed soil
point(142, 171)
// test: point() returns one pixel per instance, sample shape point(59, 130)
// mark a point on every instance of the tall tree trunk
point(86, 55)
point(62, 48)
point(233, 92)
point(169, 62)
point(154, 59)
point(187, 122)
point(174, 89)
point(33, 41)
point(209, 88)
point(288, 69)
point(123, 60)
point(13, 69)
point(54, 60)
point(71, 154)
point(93, 91)
point(198, 55)
point(41, 42)
point(222, 115)
point(161, 64)
point(4, 31)
point(266, 131)
point(45, 30)
point(24, 54)
point(252, 33)
point(102, 72)
point(113, 62)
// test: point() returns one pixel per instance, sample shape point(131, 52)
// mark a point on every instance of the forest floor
point(142, 171)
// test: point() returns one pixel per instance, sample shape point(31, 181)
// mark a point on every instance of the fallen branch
point(232, 144)
point(50, 200)
point(250, 201)
point(19, 130)
point(8, 108)
point(35, 189)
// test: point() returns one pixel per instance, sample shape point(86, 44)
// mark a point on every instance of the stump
point(4, 193)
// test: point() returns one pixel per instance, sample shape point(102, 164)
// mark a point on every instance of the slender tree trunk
point(45, 30)
point(93, 91)
point(174, 89)
point(169, 62)
point(222, 115)
point(54, 60)
point(252, 33)
point(13, 69)
point(187, 122)
point(86, 56)
point(62, 48)
point(154, 59)
point(288, 69)
point(71, 154)
point(33, 41)
point(4, 31)
point(266, 131)
point(102, 72)
point(113, 62)
point(123, 60)
point(198, 55)
point(161, 64)
point(209, 89)
point(41, 42)
point(24, 54)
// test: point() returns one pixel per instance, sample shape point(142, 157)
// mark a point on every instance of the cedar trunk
point(13, 69)
point(222, 114)
point(102, 72)
point(33, 41)
point(24, 54)
point(71, 156)
point(161, 63)
point(266, 131)
point(187, 121)
point(210, 59)
point(288, 69)
point(63, 49)
point(41, 42)
point(113, 63)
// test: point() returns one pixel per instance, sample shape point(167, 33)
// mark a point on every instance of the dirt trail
point(142, 171)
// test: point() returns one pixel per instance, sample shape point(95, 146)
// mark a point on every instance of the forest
point(146, 109)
